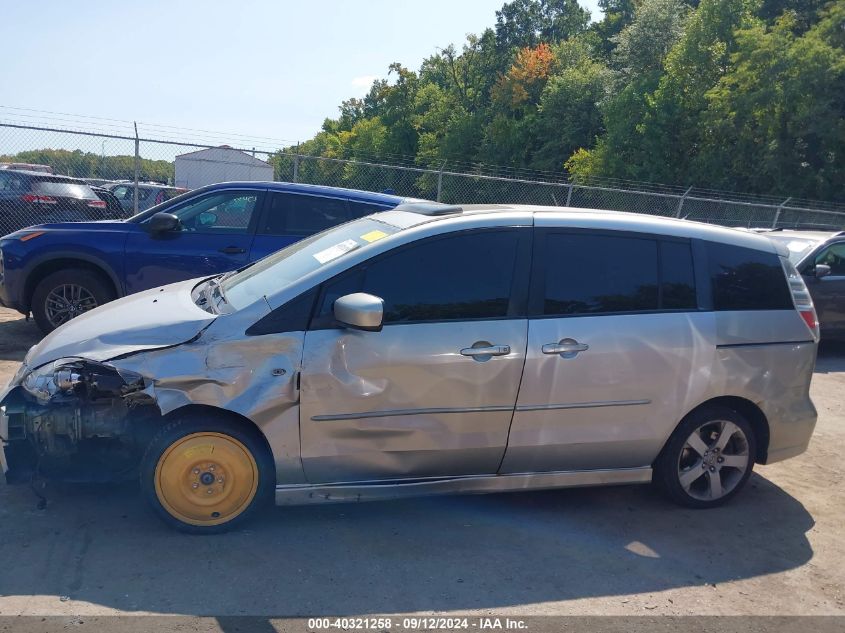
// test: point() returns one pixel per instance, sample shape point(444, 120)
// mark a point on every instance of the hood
point(63, 228)
point(148, 320)
point(93, 225)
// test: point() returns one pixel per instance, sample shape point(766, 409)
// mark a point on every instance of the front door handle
point(567, 348)
point(483, 352)
point(233, 250)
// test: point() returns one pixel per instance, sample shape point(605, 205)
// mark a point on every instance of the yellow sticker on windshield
point(372, 236)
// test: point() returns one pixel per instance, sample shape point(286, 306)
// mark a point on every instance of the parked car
point(43, 169)
point(99, 182)
point(820, 257)
point(28, 197)
point(114, 211)
point(57, 271)
point(150, 194)
point(431, 350)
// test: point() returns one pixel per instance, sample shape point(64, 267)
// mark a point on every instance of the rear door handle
point(567, 348)
point(233, 250)
point(487, 350)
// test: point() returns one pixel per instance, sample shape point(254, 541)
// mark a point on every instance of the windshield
point(276, 271)
point(798, 247)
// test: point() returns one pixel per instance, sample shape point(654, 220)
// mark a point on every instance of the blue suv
point(57, 271)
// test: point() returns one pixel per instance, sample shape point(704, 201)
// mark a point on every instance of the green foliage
point(526, 23)
point(90, 165)
point(780, 108)
point(740, 94)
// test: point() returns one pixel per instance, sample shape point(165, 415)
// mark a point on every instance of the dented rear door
point(433, 393)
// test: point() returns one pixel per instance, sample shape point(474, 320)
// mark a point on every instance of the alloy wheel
point(713, 460)
point(66, 301)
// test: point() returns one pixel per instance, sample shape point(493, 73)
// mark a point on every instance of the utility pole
point(137, 169)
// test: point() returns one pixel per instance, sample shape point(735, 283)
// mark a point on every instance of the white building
point(219, 164)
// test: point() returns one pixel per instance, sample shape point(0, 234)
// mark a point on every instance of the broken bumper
point(4, 422)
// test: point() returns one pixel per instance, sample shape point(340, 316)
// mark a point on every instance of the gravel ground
point(776, 549)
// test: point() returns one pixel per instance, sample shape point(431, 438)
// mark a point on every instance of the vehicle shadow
point(17, 335)
point(100, 545)
point(831, 357)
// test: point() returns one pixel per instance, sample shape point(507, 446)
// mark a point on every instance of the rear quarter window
point(746, 279)
point(63, 189)
point(12, 182)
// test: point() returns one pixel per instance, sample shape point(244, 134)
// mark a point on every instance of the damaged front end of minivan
point(75, 419)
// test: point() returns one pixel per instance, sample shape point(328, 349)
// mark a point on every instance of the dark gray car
point(820, 257)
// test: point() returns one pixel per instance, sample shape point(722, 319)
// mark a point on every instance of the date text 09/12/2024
point(421, 623)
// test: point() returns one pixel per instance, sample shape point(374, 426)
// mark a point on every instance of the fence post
point(681, 203)
point(137, 169)
point(296, 167)
point(777, 213)
point(440, 180)
point(569, 194)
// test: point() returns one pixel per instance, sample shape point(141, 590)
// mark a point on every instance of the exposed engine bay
point(72, 409)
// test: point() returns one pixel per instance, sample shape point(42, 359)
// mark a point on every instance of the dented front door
point(433, 397)
point(404, 402)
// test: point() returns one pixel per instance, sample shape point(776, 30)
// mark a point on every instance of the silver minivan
point(433, 349)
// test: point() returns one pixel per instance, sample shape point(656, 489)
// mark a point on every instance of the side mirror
point(360, 311)
point(162, 222)
point(822, 270)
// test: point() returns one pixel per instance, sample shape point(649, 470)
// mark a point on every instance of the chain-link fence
point(130, 172)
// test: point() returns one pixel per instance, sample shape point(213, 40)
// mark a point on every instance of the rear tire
point(708, 459)
point(64, 294)
point(203, 474)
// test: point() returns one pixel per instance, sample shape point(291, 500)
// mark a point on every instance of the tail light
point(33, 198)
point(97, 204)
point(801, 297)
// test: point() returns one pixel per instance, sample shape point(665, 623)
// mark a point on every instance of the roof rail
point(429, 208)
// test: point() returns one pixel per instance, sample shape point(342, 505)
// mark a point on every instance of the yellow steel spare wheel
point(206, 478)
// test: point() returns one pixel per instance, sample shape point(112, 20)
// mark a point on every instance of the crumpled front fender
point(254, 377)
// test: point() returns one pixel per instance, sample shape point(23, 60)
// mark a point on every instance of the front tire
point(65, 294)
point(708, 459)
point(203, 475)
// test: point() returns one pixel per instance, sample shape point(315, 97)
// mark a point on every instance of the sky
point(268, 69)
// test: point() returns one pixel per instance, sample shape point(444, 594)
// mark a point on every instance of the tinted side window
point(121, 193)
point(461, 277)
point(224, 212)
point(12, 182)
point(293, 214)
point(677, 279)
point(746, 279)
point(593, 274)
point(833, 256)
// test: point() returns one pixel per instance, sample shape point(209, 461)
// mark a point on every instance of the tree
point(81, 164)
point(729, 93)
point(642, 50)
point(570, 116)
point(780, 109)
point(523, 84)
point(654, 124)
point(617, 15)
point(526, 23)
point(642, 46)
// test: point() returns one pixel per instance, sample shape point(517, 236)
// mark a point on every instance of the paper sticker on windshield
point(372, 236)
point(333, 252)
